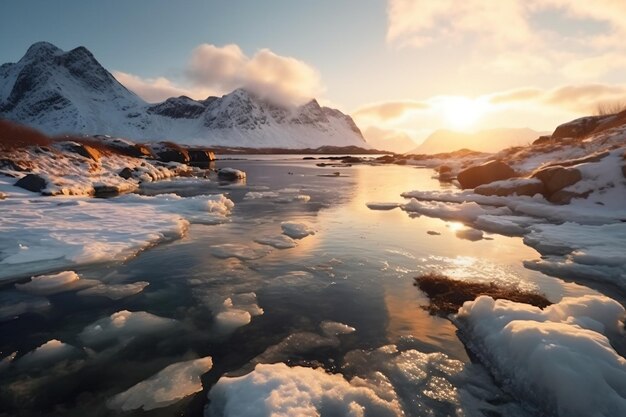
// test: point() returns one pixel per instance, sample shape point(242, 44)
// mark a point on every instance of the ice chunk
point(50, 284)
point(558, 359)
point(279, 242)
point(278, 390)
point(333, 328)
point(235, 250)
point(237, 311)
point(50, 352)
point(168, 386)
point(296, 230)
point(115, 291)
point(124, 326)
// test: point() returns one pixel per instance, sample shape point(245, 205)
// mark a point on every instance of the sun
point(462, 112)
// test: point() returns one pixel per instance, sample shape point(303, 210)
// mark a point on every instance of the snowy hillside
point(70, 92)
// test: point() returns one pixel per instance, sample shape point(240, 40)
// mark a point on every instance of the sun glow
point(462, 112)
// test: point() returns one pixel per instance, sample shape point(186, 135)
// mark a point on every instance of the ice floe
point(115, 291)
point(166, 387)
point(296, 230)
point(50, 284)
point(237, 310)
point(123, 326)
point(278, 242)
point(558, 359)
point(49, 353)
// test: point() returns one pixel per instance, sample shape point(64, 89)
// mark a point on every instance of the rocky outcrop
point(82, 149)
point(32, 182)
point(201, 158)
point(488, 172)
point(126, 173)
point(170, 152)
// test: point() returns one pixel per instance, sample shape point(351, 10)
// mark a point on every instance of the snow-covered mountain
point(70, 92)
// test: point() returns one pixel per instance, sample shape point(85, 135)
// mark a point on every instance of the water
point(357, 269)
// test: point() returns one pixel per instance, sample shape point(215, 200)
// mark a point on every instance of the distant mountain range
point(492, 140)
point(70, 92)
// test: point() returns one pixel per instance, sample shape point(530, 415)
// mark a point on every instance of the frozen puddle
point(169, 385)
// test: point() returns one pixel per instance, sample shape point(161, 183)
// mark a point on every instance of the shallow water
point(356, 269)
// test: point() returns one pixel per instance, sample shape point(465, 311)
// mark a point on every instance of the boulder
point(105, 191)
point(443, 169)
point(32, 182)
point(565, 196)
point(230, 174)
point(488, 172)
point(84, 150)
point(520, 186)
point(578, 128)
point(556, 178)
point(624, 170)
point(125, 173)
point(170, 152)
point(201, 158)
point(542, 140)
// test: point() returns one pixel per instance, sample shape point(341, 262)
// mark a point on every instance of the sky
point(401, 67)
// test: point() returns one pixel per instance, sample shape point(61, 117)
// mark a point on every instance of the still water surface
point(357, 269)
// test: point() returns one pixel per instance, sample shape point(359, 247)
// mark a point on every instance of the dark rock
point(624, 170)
point(578, 128)
point(564, 196)
point(386, 159)
point(229, 174)
point(556, 178)
point(11, 165)
point(484, 174)
point(105, 191)
point(543, 140)
point(84, 150)
point(351, 160)
point(201, 158)
point(32, 182)
point(173, 155)
point(526, 187)
point(125, 173)
point(443, 169)
point(308, 158)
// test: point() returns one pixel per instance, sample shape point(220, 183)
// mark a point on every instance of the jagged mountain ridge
point(70, 92)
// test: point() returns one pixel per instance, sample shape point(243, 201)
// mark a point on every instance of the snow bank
point(169, 385)
point(278, 390)
point(296, 230)
point(124, 326)
point(558, 359)
point(43, 233)
point(278, 242)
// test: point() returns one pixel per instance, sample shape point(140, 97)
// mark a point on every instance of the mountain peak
point(41, 49)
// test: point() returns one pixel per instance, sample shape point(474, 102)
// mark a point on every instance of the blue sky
point(407, 66)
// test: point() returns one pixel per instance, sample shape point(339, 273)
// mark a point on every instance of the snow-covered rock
point(60, 92)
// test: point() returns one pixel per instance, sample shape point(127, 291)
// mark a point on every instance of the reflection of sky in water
point(357, 269)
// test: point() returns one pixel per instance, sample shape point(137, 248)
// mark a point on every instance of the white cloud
point(214, 70)
point(154, 90)
point(389, 110)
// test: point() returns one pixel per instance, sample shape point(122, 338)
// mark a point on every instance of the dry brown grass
point(448, 295)
point(16, 136)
